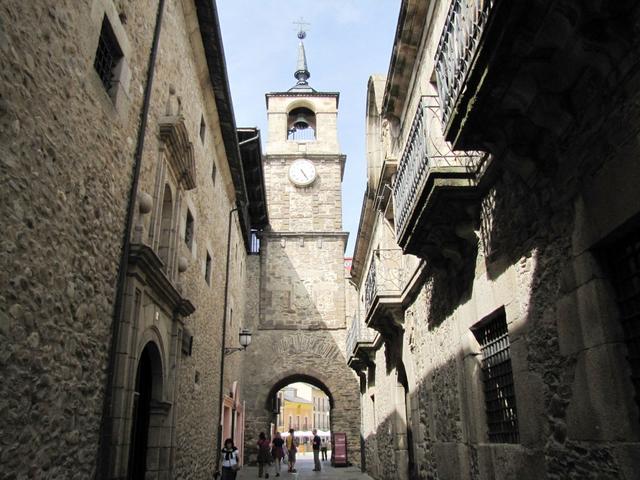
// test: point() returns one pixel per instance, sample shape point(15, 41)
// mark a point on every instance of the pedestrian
point(316, 450)
point(264, 455)
point(277, 452)
point(292, 448)
point(230, 460)
point(323, 449)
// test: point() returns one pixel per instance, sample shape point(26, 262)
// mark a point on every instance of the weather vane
point(302, 32)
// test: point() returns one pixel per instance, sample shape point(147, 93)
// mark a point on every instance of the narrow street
point(304, 467)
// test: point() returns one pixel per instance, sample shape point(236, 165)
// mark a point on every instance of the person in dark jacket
point(264, 455)
point(277, 452)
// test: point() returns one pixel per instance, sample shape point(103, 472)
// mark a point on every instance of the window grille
point(108, 54)
point(624, 258)
point(497, 377)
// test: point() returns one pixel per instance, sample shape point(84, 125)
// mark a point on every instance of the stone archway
point(312, 357)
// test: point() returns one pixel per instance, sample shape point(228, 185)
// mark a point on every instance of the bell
point(300, 123)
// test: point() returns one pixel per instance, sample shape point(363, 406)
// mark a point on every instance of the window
point(213, 172)
point(306, 423)
point(188, 230)
point(624, 259)
point(298, 422)
point(290, 420)
point(207, 269)
point(497, 377)
point(108, 55)
point(203, 129)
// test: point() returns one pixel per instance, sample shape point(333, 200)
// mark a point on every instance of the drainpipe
point(104, 446)
point(224, 338)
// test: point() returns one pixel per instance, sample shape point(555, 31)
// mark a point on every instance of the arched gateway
point(271, 368)
point(299, 317)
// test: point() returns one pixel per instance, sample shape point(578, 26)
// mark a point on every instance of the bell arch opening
point(301, 124)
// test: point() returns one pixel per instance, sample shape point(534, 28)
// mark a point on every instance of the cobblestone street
point(304, 467)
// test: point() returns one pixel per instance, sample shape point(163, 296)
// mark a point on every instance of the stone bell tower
point(300, 330)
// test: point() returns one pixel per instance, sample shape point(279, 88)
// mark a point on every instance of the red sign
point(339, 450)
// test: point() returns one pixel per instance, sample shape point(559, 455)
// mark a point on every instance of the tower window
point(188, 230)
point(497, 377)
point(207, 269)
point(213, 172)
point(624, 259)
point(108, 55)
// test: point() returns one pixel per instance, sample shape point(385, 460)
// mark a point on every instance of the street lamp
point(245, 340)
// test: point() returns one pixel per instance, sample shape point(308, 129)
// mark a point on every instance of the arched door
point(142, 413)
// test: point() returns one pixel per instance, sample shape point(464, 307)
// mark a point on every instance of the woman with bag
point(230, 460)
point(264, 455)
point(277, 452)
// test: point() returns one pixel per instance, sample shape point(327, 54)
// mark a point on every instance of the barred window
point(497, 377)
point(624, 259)
point(108, 54)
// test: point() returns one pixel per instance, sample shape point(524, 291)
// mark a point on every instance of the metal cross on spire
point(302, 72)
point(302, 31)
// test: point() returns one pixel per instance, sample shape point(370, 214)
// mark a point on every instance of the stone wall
point(302, 281)
point(66, 156)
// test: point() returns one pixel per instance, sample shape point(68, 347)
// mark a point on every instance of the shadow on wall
point(560, 423)
point(289, 301)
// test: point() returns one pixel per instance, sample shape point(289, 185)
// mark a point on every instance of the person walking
point(323, 449)
point(230, 460)
point(264, 455)
point(316, 450)
point(277, 452)
point(292, 448)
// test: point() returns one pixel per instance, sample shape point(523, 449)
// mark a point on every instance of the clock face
point(302, 172)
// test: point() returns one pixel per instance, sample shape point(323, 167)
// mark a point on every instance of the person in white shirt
point(230, 460)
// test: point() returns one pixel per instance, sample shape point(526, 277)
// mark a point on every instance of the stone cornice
point(303, 234)
point(142, 259)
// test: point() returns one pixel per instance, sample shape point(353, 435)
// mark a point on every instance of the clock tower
point(304, 249)
point(299, 327)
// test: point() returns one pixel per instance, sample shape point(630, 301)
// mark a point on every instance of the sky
point(347, 42)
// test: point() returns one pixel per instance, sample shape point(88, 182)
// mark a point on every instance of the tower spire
point(302, 73)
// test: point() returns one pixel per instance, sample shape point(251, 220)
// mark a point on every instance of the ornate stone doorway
point(148, 385)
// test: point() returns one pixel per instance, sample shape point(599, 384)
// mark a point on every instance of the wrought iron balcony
point(360, 339)
point(464, 27)
point(528, 74)
point(383, 287)
point(432, 182)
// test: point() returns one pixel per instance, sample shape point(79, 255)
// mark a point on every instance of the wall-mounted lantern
point(245, 340)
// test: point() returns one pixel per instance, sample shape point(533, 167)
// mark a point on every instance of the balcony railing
point(385, 277)
point(425, 150)
point(358, 333)
point(466, 22)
